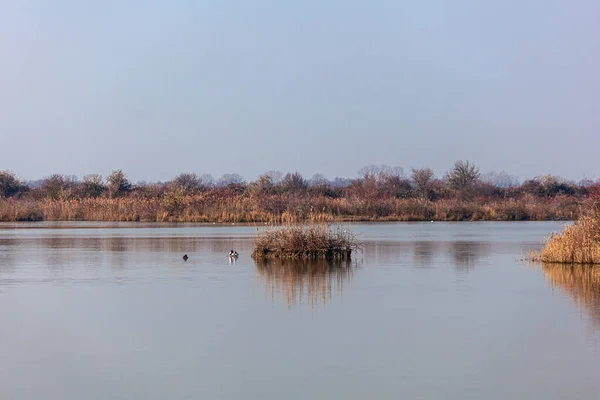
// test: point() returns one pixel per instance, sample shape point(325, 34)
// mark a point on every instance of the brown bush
point(305, 242)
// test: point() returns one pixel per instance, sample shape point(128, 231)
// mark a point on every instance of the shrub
point(92, 186)
point(10, 186)
point(188, 181)
point(58, 187)
point(118, 184)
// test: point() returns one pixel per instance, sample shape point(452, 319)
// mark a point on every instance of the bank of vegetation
point(578, 243)
point(313, 241)
point(377, 194)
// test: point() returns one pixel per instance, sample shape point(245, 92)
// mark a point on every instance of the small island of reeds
point(306, 242)
point(578, 243)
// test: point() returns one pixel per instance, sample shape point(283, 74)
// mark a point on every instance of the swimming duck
point(233, 254)
point(185, 257)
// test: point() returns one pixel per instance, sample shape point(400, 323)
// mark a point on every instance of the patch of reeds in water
point(306, 242)
point(578, 243)
point(299, 281)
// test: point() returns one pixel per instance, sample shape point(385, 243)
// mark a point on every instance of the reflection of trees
point(467, 254)
point(580, 282)
point(423, 252)
point(299, 280)
point(7, 257)
point(58, 252)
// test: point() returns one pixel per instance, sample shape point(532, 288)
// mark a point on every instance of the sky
point(157, 88)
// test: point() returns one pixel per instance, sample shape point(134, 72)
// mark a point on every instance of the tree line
point(464, 180)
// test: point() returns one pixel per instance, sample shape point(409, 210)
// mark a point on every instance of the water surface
point(426, 311)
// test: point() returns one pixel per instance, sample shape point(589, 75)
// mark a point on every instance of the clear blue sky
point(162, 87)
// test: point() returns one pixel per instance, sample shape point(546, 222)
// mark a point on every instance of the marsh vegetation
point(578, 243)
point(306, 242)
point(379, 193)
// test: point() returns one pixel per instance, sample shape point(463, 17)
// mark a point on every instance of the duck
point(185, 257)
point(233, 254)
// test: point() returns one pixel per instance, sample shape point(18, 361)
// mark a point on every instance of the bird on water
point(233, 254)
point(185, 257)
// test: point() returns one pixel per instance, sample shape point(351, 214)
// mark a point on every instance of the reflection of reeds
point(297, 281)
point(580, 282)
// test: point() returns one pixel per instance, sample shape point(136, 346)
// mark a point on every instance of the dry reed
point(214, 206)
point(578, 243)
point(306, 242)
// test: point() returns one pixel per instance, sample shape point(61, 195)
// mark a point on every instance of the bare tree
point(381, 172)
point(294, 182)
point(93, 185)
point(317, 180)
point(207, 181)
point(395, 172)
point(396, 186)
point(463, 176)
point(264, 184)
point(228, 179)
point(118, 184)
point(501, 179)
point(57, 186)
point(422, 179)
point(554, 185)
point(369, 171)
point(340, 182)
point(275, 176)
point(187, 181)
point(585, 183)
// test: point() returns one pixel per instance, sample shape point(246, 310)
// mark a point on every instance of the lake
point(425, 311)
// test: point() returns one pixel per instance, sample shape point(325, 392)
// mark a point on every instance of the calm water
point(426, 311)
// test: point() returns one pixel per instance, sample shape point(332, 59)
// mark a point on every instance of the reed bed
point(578, 243)
point(284, 209)
point(306, 242)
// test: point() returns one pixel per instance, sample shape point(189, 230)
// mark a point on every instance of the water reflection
point(465, 255)
point(7, 259)
point(298, 281)
point(61, 251)
point(581, 283)
point(423, 251)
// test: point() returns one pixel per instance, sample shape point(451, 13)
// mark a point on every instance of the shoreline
point(244, 208)
point(106, 224)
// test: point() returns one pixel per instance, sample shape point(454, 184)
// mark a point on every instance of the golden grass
point(305, 242)
point(578, 243)
point(212, 206)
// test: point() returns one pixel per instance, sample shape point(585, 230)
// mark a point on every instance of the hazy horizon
point(160, 88)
